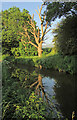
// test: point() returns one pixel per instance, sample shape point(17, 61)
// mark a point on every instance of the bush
point(24, 61)
point(34, 108)
point(65, 64)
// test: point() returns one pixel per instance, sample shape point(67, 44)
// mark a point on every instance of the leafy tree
point(38, 35)
point(58, 9)
point(12, 21)
point(65, 38)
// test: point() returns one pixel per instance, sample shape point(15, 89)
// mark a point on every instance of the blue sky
point(31, 7)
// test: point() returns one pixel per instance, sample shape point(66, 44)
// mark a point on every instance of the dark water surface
point(64, 87)
point(60, 88)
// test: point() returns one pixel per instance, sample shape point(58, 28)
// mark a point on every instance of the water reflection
point(50, 83)
point(65, 94)
point(39, 89)
point(65, 91)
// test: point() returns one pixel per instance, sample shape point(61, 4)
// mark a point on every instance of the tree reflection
point(65, 87)
point(39, 88)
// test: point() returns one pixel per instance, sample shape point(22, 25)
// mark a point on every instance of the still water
point(63, 87)
point(60, 88)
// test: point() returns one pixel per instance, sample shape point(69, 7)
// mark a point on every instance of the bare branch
point(46, 25)
point(39, 15)
point(29, 23)
point(29, 18)
point(43, 33)
point(27, 35)
point(33, 44)
point(34, 84)
point(32, 16)
point(28, 43)
point(42, 42)
point(38, 34)
point(33, 31)
point(37, 12)
point(47, 31)
point(40, 9)
point(36, 39)
point(40, 19)
point(44, 17)
point(23, 42)
point(23, 34)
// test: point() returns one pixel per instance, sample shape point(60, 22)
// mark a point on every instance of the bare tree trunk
point(40, 50)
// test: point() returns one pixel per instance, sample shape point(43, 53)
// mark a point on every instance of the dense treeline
point(59, 9)
point(65, 37)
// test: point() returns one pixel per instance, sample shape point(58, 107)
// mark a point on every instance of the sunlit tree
point(38, 35)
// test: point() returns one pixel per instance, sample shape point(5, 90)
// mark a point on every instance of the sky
point(31, 6)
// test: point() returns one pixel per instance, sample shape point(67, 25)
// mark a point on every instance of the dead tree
point(39, 87)
point(38, 34)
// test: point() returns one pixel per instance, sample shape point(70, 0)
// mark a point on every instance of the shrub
point(67, 63)
point(34, 108)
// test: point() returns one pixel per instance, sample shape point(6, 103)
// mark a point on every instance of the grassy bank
point(57, 62)
point(63, 64)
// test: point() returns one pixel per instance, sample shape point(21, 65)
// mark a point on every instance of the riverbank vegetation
point(16, 105)
point(22, 46)
point(65, 64)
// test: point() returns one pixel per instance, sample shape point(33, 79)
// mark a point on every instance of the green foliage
point(13, 88)
point(65, 40)
point(5, 66)
point(19, 102)
point(46, 51)
point(58, 62)
point(31, 51)
point(34, 108)
point(65, 64)
point(12, 22)
point(24, 61)
point(58, 9)
point(10, 26)
point(17, 105)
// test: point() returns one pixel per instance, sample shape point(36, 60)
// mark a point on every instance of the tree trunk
point(40, 50)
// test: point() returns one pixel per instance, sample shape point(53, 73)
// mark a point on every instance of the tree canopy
point(58, 9)
point(12, 21)
point(65, 36)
